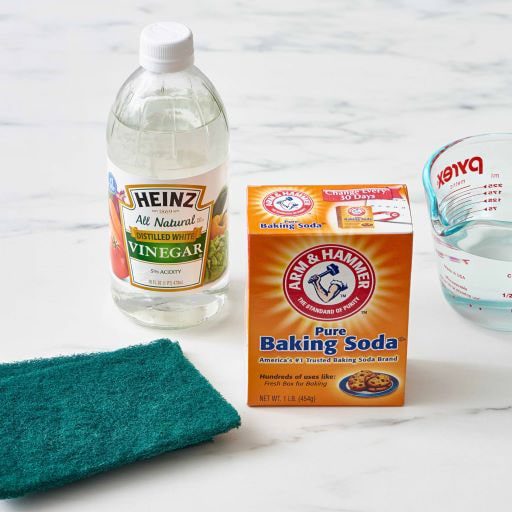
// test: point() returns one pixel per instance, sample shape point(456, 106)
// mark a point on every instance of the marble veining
point(317, 91)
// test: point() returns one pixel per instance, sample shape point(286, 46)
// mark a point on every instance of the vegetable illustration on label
point(117, 252)
point(218, 249)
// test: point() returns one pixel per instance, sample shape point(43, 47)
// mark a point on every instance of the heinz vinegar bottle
point(167, 142)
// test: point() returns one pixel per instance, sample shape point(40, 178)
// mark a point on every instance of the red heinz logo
point(474, 164)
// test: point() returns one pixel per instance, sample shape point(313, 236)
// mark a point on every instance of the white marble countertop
point(318, 91)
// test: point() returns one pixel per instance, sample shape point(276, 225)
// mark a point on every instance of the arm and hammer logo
point(329, 282)
point(357, 211)
point(288, 203)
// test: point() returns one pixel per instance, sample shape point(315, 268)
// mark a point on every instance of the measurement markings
point(464, 197)
point(455, 200)
point(452, 192)
point(453, 208)
point(461, 204)
point(461, 217)
point(461, 192)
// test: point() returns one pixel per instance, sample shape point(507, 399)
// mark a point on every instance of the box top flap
point(328, 209)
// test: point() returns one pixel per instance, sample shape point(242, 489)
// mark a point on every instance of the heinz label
point(328, 294)
point(168, 235)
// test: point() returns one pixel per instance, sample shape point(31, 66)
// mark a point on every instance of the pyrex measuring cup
point(468, 184)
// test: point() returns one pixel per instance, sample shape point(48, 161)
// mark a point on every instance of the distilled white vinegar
point(167, 140)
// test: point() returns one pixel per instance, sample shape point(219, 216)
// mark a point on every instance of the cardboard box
point(328, 294)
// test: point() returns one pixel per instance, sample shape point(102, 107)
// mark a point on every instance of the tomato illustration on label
point(117, 252)
point(118, 259)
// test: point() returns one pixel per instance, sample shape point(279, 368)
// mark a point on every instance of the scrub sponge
point(66, 418)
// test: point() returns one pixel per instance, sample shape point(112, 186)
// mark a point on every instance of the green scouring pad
point(65, 418)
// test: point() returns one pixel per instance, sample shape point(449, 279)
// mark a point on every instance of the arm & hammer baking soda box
point(328, 294)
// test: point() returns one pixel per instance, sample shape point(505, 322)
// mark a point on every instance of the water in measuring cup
point(476, 271)
point(488, 240)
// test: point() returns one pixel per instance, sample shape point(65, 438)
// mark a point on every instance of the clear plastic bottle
point(168, 142)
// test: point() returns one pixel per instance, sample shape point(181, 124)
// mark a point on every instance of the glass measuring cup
point(468, 185)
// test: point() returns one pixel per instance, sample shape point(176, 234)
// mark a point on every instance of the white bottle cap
point(166, 47)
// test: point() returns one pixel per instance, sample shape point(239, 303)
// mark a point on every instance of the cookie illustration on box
point(357, 381)
point(369, 384)
point(378, 382)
